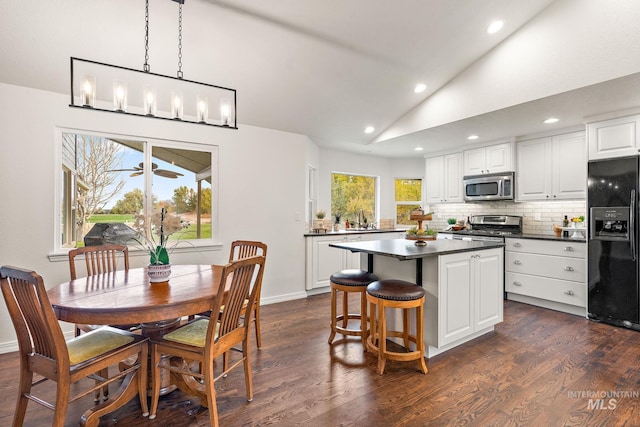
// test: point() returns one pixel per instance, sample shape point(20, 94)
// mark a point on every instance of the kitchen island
point(464, 282)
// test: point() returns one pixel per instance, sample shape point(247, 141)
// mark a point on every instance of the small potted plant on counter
point(318, 223)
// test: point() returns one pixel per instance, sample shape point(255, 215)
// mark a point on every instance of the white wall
point(386, 169)
point(262, 184)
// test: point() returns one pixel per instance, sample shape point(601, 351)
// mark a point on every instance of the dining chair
point(203, 339)
point(44, 352)
point(100, 259)
point(245, 249)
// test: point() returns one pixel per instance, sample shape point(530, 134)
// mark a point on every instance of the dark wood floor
point(539, 368)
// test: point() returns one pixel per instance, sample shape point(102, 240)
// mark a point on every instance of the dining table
point(127, 297)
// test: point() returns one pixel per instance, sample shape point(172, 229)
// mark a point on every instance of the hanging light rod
point(112, 88)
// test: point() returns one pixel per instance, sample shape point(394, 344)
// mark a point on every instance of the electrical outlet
point(537, 216)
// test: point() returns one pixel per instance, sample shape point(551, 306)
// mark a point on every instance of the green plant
point(451, 221)
point(321, 214)
point(161, 224)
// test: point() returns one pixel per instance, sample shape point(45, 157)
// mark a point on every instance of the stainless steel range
point(488, 228)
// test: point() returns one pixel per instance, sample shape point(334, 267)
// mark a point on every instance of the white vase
point(159, 272)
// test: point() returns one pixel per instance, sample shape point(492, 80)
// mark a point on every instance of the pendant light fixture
point(104, 87)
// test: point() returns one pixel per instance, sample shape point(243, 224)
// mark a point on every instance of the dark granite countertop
point(406, 249)
point(353, 231)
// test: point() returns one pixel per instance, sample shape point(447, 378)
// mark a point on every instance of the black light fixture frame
point(231, 125)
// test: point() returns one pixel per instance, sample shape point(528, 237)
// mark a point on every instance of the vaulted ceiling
point(329, 68)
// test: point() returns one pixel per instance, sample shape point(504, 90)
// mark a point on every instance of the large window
point(108, 180)
point(408, 197)
point(353, 198)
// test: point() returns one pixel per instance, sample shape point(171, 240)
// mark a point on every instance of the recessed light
point(418, 149)
point(495, 26)
point(420, 87)
point(551, 120)
point(369, 129)
point(472, 137)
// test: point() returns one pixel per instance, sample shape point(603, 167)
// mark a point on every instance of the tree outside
point(353, 197)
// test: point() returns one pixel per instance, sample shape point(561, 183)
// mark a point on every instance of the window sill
point(195, 246)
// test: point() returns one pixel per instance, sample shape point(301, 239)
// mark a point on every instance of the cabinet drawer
point(547, 247)
point(562, 291)
point(555, 267)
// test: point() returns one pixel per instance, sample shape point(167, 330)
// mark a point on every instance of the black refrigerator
point(612, 203)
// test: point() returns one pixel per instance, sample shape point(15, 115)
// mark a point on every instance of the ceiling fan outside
point(139, 170)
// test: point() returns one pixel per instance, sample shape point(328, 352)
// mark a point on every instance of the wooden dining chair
point(44, 352)
point(245, 249)
point(203, 339)
point(100, 259)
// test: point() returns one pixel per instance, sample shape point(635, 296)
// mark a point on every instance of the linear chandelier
point(112, 88)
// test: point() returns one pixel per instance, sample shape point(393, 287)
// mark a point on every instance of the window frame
point(59, 252)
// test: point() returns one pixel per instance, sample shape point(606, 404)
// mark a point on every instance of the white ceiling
point(323, 68)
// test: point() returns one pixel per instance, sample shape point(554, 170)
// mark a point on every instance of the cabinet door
point(326, 260)
point(614, 138)
point(474, 161)
point(489, 284)
point(498, 158)
point(352, 259)
point(534, 169)
point(453, 178)
point(569, 154)
point(455, 304)
point(434, 174)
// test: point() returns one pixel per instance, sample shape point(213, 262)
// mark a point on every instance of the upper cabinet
point(444, 179)
point(614, 138)
point(552, 168)
point(494, 158)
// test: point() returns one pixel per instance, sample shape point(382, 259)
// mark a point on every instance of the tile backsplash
point(550, 213)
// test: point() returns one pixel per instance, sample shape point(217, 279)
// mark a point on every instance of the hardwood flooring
point(539, 368)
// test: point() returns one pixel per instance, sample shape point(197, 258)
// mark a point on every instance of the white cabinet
point(552, 168)
point(469, 294)
point(444, 179)
point(550, 274)
point(494, 158)
point(323, 260)
point(614, 138)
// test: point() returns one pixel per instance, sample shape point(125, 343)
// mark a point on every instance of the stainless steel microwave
point(488, 187)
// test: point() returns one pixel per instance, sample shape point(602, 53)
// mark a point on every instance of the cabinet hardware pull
point(517, 283)
point(568, 268)
point(569, 292)
point(569, 249)
point(516, 245)
point(516, 262)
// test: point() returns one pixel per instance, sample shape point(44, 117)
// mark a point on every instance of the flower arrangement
point(161, 224)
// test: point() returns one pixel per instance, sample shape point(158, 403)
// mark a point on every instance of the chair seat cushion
point(395, 290)
point(353, 277)
point(95, 343)
point(194, 333)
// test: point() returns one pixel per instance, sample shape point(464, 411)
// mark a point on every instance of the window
point(107, 180)
point(408, 197)
point(353, 198)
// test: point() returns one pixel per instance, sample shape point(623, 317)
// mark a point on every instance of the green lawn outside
point(110, 218)
point(187, 234)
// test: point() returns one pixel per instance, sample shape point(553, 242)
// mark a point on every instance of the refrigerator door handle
point(632, 224)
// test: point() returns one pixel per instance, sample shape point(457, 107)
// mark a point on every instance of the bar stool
point(348, 281)
point(392, 293)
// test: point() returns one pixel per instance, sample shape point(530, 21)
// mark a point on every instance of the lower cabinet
point(550, 274)
point(470, 293)
point(322, 260)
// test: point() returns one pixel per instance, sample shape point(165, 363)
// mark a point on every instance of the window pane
point(402, 214)
point(353, 198)
point(182, 184)
point(408, 190)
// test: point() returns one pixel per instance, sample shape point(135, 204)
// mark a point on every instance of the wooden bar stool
point(391, 293)
point(348, 281)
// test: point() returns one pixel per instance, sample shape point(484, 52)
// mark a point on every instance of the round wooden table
point(127, 297)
